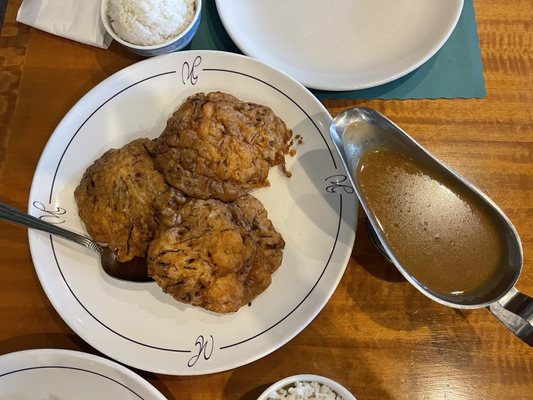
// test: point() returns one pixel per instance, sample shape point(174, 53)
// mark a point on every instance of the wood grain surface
point(377, 335)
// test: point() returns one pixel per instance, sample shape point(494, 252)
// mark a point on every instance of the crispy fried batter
point(121, 198)
point(219, 256)
point(269, 243)
point(216, 249)
point(216, 146)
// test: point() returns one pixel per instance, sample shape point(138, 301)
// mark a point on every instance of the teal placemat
point(3, 6)
point(456, 71)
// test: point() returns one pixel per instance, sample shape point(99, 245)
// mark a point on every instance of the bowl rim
point(334, 385)
point(107, 25)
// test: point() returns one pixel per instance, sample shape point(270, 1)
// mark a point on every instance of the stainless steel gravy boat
point(371, 131)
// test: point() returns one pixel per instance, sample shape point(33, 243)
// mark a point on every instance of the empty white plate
point(339, 44)
point(54, 374)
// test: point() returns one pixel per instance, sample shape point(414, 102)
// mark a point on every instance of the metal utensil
point(135, 270)
point(371, 131)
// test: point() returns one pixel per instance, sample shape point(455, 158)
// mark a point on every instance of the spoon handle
point(16, 216)
point(515, 311)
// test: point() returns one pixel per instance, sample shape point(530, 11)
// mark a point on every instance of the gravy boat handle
point(515, 311)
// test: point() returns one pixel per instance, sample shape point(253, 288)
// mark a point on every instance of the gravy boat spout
point(445, 236)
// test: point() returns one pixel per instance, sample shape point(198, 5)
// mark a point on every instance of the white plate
point(138, 324)
point(341, 44)
point(52, 374)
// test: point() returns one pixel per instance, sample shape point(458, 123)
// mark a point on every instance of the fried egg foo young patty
point(121, 197)
point(216, 146)
point(270, 244)
point(219, 256)
point(181, 201)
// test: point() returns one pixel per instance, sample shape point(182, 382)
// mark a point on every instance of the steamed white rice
point(149, 22)
point(305, 391)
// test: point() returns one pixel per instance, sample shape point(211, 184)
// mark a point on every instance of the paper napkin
point(72, 19)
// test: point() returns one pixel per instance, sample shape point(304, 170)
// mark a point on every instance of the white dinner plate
point(136, 323)
point(53, 374)
point(341, 44)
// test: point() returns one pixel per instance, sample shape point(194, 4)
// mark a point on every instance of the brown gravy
point(440, 232)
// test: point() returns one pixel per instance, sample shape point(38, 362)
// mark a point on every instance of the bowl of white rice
point(306, 387)
point(151, 27)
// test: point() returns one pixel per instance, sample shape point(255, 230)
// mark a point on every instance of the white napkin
point(77, 20)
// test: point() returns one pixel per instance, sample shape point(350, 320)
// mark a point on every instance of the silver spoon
point(370, 131)
point(135, 270)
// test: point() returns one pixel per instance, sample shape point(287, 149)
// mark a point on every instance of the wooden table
point(377, 335)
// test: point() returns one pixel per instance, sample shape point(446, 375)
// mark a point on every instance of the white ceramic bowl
point(291, 380)
point(175, 44)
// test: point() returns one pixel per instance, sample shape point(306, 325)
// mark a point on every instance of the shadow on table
point(294, 358)
point(45, 341)
point(380, 291)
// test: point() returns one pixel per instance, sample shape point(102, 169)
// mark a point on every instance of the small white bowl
point(175, 44)
point(322, 380)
